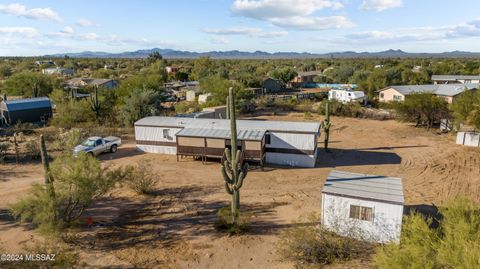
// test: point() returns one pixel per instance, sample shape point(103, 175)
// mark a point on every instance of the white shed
point(191, 96)
point(365, 207)
point(346, 95)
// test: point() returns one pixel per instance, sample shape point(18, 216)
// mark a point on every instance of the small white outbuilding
point(365, 207)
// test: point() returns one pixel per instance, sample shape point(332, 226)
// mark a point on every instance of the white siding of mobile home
point(292, 141)
point(147, 137)
point(385, 226)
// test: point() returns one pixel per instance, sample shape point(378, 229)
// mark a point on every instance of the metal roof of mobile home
point(453, 77)
point(438, 89)
point(25, 104)
point(251, 135)
point(370, 187)
point(280, 126)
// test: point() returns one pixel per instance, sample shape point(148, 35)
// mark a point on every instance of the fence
point(471, 139)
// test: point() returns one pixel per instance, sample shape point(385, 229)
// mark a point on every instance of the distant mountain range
point(235, 54)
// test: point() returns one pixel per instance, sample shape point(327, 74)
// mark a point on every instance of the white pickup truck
point(96, 145)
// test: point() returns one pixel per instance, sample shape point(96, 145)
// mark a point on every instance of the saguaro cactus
point(326, 125)
point(227, 110)
point(46, 168)
point(94, 102)
point(234, 170)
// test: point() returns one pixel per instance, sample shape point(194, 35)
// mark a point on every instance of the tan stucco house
point(455, 79)
point(447, 91)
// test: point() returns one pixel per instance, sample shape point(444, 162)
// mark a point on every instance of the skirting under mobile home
point(273, 142)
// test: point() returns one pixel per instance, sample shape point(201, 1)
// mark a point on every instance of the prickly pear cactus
point(234, 170)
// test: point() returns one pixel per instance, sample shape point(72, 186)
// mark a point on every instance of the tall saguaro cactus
point(234, 170)
point(326, 125)
point(94, 102)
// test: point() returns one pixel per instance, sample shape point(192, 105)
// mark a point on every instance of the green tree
point(423, 109)
point(141, 103)
point(466, 108)
point(154, 56)
point(77, 181)
point(30, 84)
point(203, 67)
point(284, 74)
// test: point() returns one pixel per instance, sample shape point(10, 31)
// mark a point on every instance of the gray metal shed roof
point(280, 126)
point(438, 89)
point(453, 77)
point(362, 186)
point(28, 103)
point(252, 135)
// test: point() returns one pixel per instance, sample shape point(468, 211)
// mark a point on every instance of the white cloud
point(249, 31)
point(313, 23)
point(67, 30)
point(468, 29)
point(84, 22)
point(20, 10)
point(23, 31)
point(89, 36)
point(295, 14)
point(380, 5)
point(218, 40)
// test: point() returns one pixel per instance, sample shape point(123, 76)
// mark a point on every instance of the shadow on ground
point(172, 215)
point(353, 157)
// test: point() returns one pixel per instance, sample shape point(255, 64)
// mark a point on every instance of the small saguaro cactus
point(227, 109)
point(326, 124)
point(234, 170)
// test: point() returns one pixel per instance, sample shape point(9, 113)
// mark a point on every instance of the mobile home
point(269, 142)
point(365, 207)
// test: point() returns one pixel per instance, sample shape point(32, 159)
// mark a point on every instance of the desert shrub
point(263, 102)
point(140, 178)
point(304, 106)
point(422, 109)
point(286, 105)
point(69, 139)
point(307, 115)
point(77, 181)
point(32, 150)
point(455, 243)
point(314, 246)
point(3, 151)
point(224, 222)
point(187, 107)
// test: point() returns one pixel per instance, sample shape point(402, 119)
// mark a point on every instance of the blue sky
point(33, 27)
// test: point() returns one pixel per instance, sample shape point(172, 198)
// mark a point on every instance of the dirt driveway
point(174, 227)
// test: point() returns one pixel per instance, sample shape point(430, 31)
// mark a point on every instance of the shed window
point(382, 95)
point(397, 98)
point(267, 139)
point(166, 134)
point(361, 212)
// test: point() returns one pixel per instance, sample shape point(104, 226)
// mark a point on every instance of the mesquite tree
point(326, 124)
point(234, 170)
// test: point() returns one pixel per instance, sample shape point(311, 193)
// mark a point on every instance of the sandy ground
point(173, 228)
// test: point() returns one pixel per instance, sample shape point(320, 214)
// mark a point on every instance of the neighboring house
point(80, 83)
point(34, 110)
point(455, 79)
point(304, 78)
point(378, 66)
point(448, 91)
point(273, 142)
point(365, 207)
point(58, 71)
point(416, 68)
point(271, 85)
point(49, 62)
point(346, 95)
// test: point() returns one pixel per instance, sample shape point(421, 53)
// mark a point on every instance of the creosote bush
point(455, 243)
point(224, 222)
point(32, 150)
point(311, 245)
point(140, 177)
